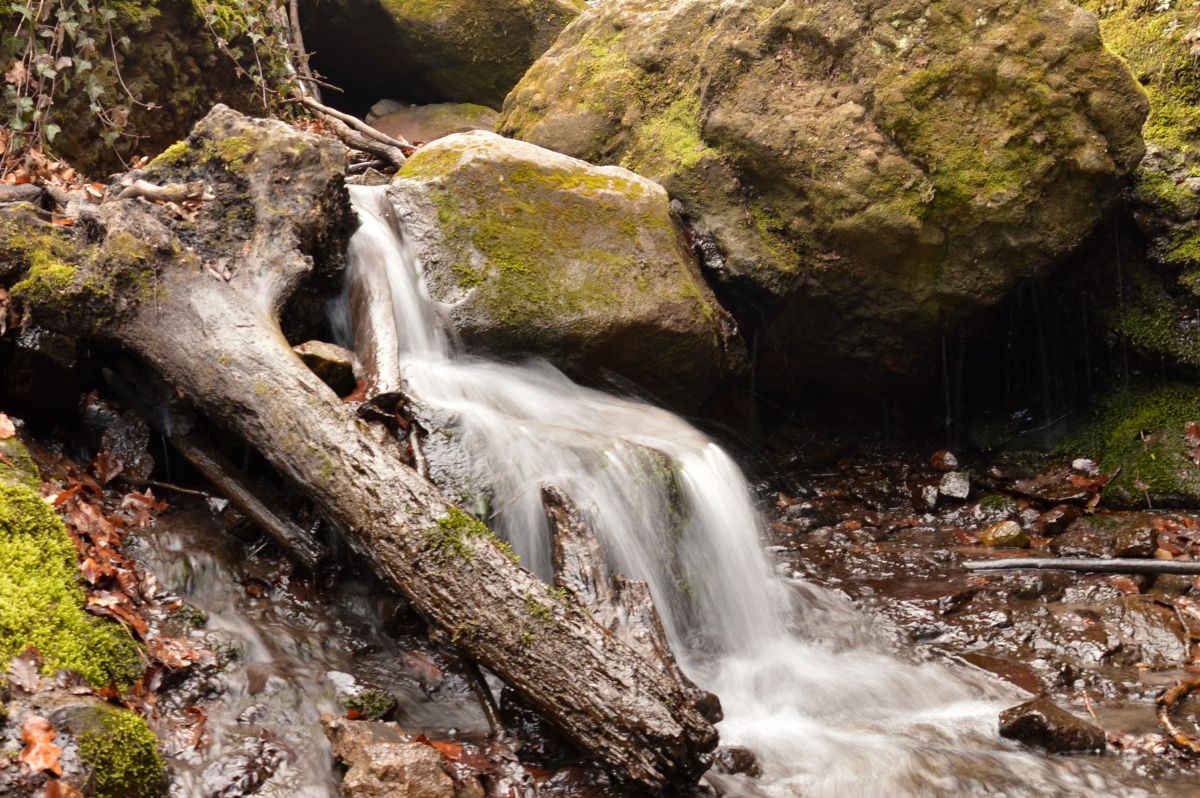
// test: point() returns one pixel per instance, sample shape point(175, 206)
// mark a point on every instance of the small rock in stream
point(1042, 724)
point(955, 484)
point(734, 760)
point(1006, 534)
point(1136, 541)
point(333, 364)
point(1056, 519)
point(944, 461)
point(383, 763)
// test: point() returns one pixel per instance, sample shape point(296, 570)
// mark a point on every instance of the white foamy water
point(803, 682)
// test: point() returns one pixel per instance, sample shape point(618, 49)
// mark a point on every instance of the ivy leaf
point(52, 130)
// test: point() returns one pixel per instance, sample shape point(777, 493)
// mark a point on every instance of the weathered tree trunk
point(219, 344)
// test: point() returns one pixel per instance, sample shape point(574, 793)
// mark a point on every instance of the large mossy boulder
point(471, 51)
point(535, 252)
point(1159, 270)
point(863, 178)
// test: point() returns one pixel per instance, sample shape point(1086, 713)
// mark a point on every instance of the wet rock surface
point(1042, 724)
point(1111, 642)
point(333, 364)
point(382, 762)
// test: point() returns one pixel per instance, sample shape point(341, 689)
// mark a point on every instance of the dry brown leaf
point(60, 789)
point(24, 672)
point(451, 751)
point(39, 753)
point(7, 428)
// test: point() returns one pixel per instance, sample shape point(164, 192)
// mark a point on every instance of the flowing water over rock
point(803, 680)
point(290, 652)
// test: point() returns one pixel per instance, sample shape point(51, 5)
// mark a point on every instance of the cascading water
point(801, 678)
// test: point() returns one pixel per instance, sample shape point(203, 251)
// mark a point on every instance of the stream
point(816, 687)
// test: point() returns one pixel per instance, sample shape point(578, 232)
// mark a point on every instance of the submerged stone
point(382, 762)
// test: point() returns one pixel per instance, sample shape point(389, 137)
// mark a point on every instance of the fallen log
point(132, 275)
point(1093, 565)
point(227, 478)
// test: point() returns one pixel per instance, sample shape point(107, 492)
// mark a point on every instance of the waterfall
point(803, 679)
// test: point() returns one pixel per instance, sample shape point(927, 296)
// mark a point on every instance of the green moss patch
point(122, 753)
point(543, 244)
point(41, 602)
point(450, 538)
point(65, 277)
point(1142, 434)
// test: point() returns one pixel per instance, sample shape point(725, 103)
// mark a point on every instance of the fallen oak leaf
point(39, 753)
point(24, 672)
point(7, 428)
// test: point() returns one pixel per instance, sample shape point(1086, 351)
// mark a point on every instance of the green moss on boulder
point(1156, 40)
point(1142, 434)
point(544, 254)
point(41, 602)
point(872, 175)
point(122, 753)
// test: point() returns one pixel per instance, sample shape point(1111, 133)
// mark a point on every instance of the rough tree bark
point(134, 274)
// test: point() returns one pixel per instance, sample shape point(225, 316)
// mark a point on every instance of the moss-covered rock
point(870, 176)
point(539, 253)
point(41, 601)
point(433, 50)
point(1142, 436)
point(117, 753)
point(1157, 41)
point(122, 753)
point(65, 276)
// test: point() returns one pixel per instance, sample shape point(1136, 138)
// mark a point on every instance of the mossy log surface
point(280, 208)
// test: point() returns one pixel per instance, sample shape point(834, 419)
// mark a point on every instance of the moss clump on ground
point(41, 602)
point(122, 753)
point(1143, 435)
point(371, 704)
